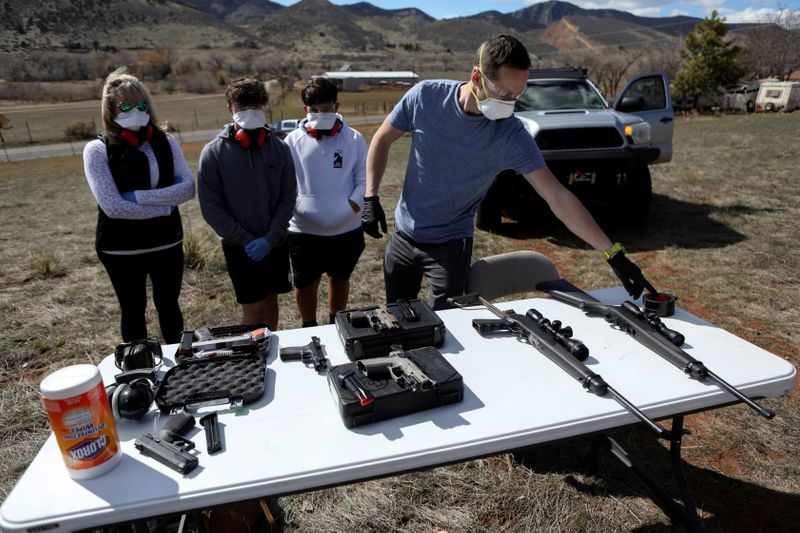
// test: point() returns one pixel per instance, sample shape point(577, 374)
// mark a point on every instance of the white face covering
point(250, 119)
point(132, 120)
point(321, 121)
point(495, 109)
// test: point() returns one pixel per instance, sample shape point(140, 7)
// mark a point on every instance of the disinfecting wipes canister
point(81, 418)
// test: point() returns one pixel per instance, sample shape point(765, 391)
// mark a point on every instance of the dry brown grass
point(723, 236)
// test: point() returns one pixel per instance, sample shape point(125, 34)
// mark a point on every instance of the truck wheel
point(769, 106)
point(632, 196)
point(490, 209)
point(750, 106)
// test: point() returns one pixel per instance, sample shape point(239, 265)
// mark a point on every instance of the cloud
point(750, 14)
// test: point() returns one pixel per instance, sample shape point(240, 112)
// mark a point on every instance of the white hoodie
point(330, 171)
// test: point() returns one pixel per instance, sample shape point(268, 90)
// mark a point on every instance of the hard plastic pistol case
point(371, 331)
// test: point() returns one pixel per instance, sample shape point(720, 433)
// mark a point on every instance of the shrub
point(193, 251)
point(79, 130)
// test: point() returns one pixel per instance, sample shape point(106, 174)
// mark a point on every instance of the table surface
point(292, 439)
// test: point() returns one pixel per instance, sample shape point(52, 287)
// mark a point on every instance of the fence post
point(30, 137)
point(196, 127)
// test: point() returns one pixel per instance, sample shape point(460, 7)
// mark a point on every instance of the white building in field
point(350, 81)
point(778, 96)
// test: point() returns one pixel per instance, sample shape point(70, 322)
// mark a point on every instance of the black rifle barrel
point(528, 328)
point(637, 326)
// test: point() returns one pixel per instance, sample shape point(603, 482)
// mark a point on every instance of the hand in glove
point(130, 196)
point(258, 249)
point(631, 275)
point(371, 216)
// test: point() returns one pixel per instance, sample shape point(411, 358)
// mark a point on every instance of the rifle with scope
point(554, 342)
point(648, 330)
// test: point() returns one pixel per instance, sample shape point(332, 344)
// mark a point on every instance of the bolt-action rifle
point(554, 343)
point(648, 330)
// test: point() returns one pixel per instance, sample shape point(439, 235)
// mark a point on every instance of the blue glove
point(129, 196)
point(258, 249)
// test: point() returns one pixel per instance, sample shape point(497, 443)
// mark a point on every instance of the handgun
point(169, 446)
point(400, 368)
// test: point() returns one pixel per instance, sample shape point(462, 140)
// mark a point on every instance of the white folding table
point(293, 440)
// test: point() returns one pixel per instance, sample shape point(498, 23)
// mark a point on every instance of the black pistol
point(169, 446)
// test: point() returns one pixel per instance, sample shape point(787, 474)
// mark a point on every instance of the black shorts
point(314, 255)
point(254, 280)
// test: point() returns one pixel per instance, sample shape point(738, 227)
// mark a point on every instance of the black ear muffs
point(133, 139)
point(337, 126)
point(131, 394)
point(248, 138)
point(141, 353)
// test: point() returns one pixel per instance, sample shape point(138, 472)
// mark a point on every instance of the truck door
point(655, 107)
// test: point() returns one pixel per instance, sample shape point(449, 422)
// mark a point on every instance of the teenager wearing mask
point(247, 191)
point(138, 176)
point(463, 135)
point(325, 234)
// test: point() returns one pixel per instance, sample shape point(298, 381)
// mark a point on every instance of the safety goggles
point(141, 105)
point(504, 94)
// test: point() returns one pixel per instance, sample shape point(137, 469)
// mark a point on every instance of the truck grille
point(578, 139)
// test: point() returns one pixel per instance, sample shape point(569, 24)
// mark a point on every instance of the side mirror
point(630, 104)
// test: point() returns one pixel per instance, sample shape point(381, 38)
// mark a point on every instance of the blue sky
point(732, 10)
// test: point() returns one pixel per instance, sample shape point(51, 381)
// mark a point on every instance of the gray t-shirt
point(454, 158)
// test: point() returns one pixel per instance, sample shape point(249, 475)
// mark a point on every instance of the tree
point(772, 49)
point(4, 120)
point(709, 61)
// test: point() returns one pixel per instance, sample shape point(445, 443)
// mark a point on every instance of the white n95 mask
point(250, 119)
point(132, 120)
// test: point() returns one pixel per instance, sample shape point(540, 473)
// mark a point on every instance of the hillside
point(316, 33)
point(75, 24)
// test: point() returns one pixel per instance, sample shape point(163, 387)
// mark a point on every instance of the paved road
point(76, 148)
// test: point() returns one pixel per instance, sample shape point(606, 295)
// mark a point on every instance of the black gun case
point(235, 378)
point(364, 333)
point(390, 399)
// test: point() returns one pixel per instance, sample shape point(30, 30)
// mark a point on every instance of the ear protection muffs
point(131, 394)
point(133, 140)
point(247, 138)
point(337, 126)
point(141, 353)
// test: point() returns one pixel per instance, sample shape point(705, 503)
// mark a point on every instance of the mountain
point(318, 33)
point(235, 11)
point(75, 24)
point(365, 9)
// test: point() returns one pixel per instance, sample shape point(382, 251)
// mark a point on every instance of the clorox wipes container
point(82, 422)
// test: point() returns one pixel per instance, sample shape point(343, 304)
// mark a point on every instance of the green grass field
point(722, 235)
point(46, 122)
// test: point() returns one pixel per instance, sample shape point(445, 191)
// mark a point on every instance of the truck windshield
point(548, 95)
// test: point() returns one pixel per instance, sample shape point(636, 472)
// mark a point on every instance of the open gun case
point(236, 376)
point(371, 331)
point(388, 398)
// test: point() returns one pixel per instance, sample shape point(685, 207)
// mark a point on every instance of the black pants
point(445, 265)
point(128, 275)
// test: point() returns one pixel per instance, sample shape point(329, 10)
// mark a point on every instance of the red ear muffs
point(243, 136)
point(133, 140)
point(332, 132)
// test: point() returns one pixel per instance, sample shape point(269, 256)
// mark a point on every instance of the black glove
point(371, 216)
point(630, 275)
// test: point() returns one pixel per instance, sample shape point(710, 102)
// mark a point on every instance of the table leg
point(686, 513)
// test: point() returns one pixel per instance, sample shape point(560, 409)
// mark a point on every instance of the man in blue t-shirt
point(463, 135)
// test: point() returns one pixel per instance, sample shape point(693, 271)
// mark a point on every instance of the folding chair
point(509, 273)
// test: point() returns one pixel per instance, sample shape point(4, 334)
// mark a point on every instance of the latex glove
point(258, 249)
point(129, 196)
point(631, 275)
point(372, 216)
